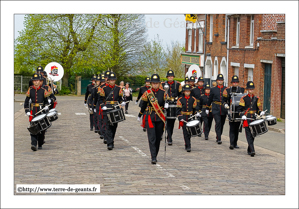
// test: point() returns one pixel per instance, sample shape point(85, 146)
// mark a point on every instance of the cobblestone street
point(73, 154)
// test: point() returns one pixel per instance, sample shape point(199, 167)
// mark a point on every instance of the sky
point(169, 28)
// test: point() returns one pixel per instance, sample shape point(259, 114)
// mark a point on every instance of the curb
point(276, 130)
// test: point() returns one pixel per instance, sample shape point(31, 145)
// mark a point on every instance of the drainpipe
point(204, 52)
point(227, 53)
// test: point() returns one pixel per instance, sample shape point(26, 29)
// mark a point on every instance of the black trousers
point(170, 126)
point(110, 132)
point(187, 137)
point(154, 136)
point(219, 123)
point(234, 132)
point(207, 125)
point(250, 140)
point(127, 106)
point(91, 120)
point(38, 139)
point(103, 126)
point(97, 119)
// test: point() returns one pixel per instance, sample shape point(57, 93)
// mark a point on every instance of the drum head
point(50, 114)
point(37, 118)
point(256, 122)
point(52, 110)
point(192, 123)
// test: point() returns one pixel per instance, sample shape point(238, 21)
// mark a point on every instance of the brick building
point(250, 46)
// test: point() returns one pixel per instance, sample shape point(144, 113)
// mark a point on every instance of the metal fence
point(21, 83)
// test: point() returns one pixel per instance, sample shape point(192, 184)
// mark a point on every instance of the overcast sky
point(168, 27)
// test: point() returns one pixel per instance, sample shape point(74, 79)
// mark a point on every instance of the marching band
point(195, 105)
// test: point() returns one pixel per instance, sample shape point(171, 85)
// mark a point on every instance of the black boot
point(33, 147)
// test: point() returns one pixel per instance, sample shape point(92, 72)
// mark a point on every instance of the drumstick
point(42, 109)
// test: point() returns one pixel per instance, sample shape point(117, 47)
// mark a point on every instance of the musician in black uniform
point(219, 112)
point(249, 106)
point(43, 83)
point(206, 114)
point(111, 96)
point(94, 103)
point(192, 82)
point(197, 92)
point(233, 125)
point(39, 97)
point(39, 69)
point(174, 92)
point(87, 101)
point(186, 106)
point(102, 124)
point(153, 101)
point(186, 80)
point(143, 88)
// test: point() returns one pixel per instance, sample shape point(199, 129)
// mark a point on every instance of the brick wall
point(270, 20)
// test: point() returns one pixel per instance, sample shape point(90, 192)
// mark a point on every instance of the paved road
point(74, 155)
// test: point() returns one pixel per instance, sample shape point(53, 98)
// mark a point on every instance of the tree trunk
point(65, 79)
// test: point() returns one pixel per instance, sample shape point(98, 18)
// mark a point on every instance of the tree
point(58, 37)
point(173, 59)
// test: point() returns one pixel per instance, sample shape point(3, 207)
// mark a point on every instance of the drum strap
point(155, 104)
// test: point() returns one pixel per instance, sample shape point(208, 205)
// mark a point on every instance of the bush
point(64, 91)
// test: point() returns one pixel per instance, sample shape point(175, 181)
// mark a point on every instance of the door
point(84, 84)
point(282, 89)
point(267, 87)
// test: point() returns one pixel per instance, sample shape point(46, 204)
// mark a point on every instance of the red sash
point(156, 106)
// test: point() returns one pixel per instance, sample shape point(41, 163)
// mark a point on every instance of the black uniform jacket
point(245, 103)
point(197, 92)
point(227, 93)
point(186, 106)
point(94, 96)
point(203, 106)
point(147, 108)
point(39, 98)
point(88, 92)
point(110, 96)
point(216, 100)
point(174, 91)
point(49, 89)
point(142, 90)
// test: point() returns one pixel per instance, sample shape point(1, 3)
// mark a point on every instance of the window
point(250, 74)
point(211, 28)
point(189, 39)
point(200, 40)
point(236, 71)
point(194, 47)
point(238, 32)
point(251, 30)
point(215, 71)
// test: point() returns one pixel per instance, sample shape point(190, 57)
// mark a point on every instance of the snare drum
point(38, 124)
point(193, 127)
point(271, 120)
point(52, 116)
point(115, 116)
point(52, 110)
point(258, 127)
point(171, 111)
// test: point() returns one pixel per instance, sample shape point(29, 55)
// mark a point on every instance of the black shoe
point(189, 149)
point(110, 147)
point(96, 131)
point(154, 161)
point(33, 148)
point(219, 142)
point(199, 135)
point(206, 138)
point(105, 141)
point(237, 147)
point(91, 129)
point(144, 129)
point(249, 153)
point(231, 147)
point(40, 147)
point(126, 112)
point(102, 137)
point(252, 154)
point(169, 143)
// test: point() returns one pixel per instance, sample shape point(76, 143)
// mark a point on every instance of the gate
point(267, 88)
point(84, 84)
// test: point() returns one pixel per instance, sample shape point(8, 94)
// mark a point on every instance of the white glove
point(207, 112)
point(244, 117)
point(198, 114)
point(136, 103)
point(28, 113)
point(123, 104)
point(262, 113)
point(166, 105)
point(139, 119)
point(104, 108)
point(46, 108)
point(94, 110)
point(85, 104)
point(49, 100)
point(90, 109)
point(226, 106)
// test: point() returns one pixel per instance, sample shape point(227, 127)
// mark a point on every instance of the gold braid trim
point(195, 103)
